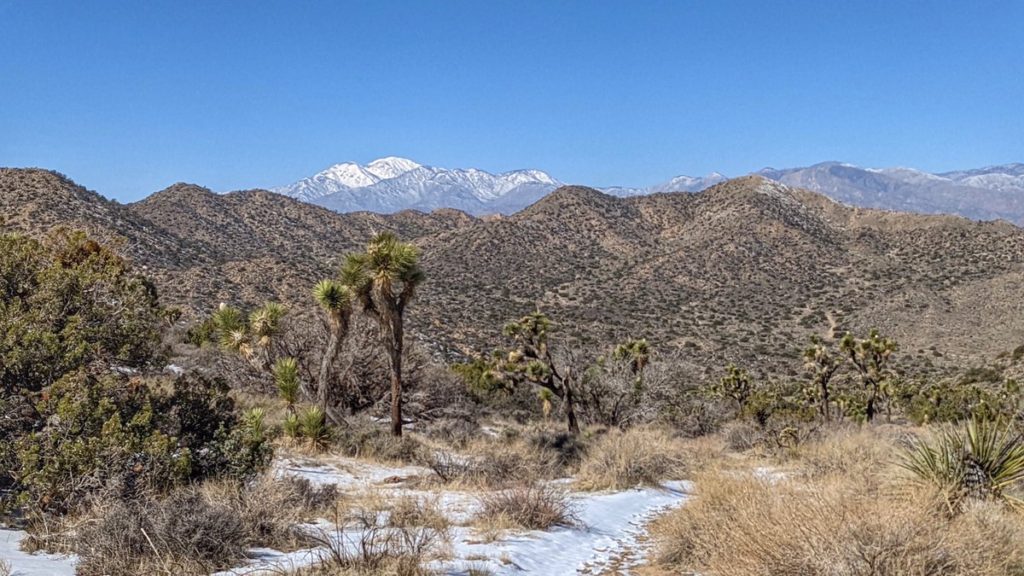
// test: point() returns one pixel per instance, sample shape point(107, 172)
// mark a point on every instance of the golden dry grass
point(539, 507)
point(840, 511)
point(638, 456)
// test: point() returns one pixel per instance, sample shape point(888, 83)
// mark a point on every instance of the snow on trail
point(25, 564)
point(613, 526)
point(610, 537)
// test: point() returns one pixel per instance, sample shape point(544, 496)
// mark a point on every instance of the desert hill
point(745, 271)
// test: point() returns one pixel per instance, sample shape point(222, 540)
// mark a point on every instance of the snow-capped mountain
point(689, 183)
point(393, 184)
point(677, 184)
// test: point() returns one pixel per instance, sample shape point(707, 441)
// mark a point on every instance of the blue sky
point(128, 97)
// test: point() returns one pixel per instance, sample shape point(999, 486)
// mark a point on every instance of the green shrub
point(67, 303)
point(949, 402)
point(114, 435)
point(75, 320)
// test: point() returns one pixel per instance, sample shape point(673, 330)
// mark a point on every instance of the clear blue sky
point(128, 97)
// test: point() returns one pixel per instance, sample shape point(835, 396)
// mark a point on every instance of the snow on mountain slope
point(689, 183)
point(393, 184)
point(390, 167)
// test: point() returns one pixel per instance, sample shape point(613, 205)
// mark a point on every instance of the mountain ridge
point(745, 271)
point(393, 184)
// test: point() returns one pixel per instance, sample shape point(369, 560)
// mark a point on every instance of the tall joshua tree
point(822, 365)
point(871, 357)
point(337, 300)
point(532, 360)
point(383, 280)
point(638, 354)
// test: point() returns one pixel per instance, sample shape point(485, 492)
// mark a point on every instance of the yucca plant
point(230, 326)
point(254, 424)
point(984, 460)
point(286, 377)
point(313, 427)
point(292, 426)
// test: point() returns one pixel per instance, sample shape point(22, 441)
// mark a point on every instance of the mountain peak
point(391, 167)
point(570, 195)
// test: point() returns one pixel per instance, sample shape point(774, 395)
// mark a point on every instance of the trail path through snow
point(610, 537)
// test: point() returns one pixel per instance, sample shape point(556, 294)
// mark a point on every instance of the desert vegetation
point(144, 440)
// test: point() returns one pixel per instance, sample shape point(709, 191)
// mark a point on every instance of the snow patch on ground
point(25, 564)
point(610, 538)
point(611, 535)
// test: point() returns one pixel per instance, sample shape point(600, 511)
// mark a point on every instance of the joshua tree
point(822, 366)
point(383, 281)
point(532, 361)
point(737, 385)
point(253, 339)
point(871, 357)
point(638, 354)
point(337, 300)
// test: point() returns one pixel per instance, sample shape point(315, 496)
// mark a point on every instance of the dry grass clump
point(361, 545)
point(271, 507)
point(841, 516)
point(741, 435)
point(500, 464)
point(454, 432)
point(638, 456)
point(703, 453)
point(538, 507)
point(185, 533)
point(415, 511)
point(567, 449)
point(860, 453)
point(5, 568)
point(198, 529)
point(372, 441)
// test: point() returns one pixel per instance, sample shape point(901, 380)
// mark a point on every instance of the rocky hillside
point(745, 271)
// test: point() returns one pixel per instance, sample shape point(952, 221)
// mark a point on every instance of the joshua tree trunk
point(395, 345)
point(870, 411)
point(825, 411)
point(570, 408)
point(330, 353)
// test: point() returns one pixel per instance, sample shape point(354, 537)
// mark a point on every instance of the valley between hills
point(745, 271)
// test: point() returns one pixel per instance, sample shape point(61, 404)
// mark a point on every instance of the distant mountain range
point(995, 192)
point(393, 184)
